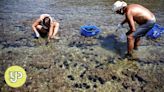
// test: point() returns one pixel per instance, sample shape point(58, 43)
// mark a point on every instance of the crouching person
point(134, 13)
point(45, 25)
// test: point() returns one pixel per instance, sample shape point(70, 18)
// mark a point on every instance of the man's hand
point(37, 34)
point(119, 26)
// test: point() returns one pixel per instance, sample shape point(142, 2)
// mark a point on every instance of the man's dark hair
point(46, 21)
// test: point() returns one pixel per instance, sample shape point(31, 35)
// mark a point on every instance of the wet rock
point(97, 62)
point(74, 65)
point(30, 44)
point(92, 54)
point(82, 74)
point(80, 85)
point(161, 61)
point(87, 57)
point(76, 85)
point(79, 45)
point(111, 61)
point(84, 47)
point(90, 78)
point(83, 52)
point(133, 77)
point(71, 59)
point(114, 77)
point(19, 28)
point(91, 60)
point(96, 78)
point(41, 65)
point(87, 87)
point(65, 63)
point(105, 60)
point(125, 85)
point(56, 61)
point(91, 49)
point(69, 55)
point(133, 90)
point(140, 79)
point(71, 77)
point(9, 52)
point(72, 44)
point(102, 81)
point(96, 55)
point(95, 86)
point(126, 72)
point(99, 66)
point(61, 66)
point(85, 66)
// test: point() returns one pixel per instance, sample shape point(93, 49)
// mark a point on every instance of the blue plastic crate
point(90, 30)
point(155, 32)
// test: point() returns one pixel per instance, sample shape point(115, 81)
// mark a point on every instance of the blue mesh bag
point(155, 32)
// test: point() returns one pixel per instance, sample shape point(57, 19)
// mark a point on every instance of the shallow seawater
point(76, 63)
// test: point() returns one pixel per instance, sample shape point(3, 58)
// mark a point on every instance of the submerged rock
point(71, 77)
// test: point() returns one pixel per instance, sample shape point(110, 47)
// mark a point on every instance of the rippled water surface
point(76, 63)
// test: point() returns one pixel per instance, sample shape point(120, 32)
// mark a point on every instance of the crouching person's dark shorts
point(143, 29)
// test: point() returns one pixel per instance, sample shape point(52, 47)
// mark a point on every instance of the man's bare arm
point(34, 25)
point(124, 21)
point(131, 22)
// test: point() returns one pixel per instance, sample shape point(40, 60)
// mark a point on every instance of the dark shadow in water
point(111, 43)
point(82, 42)
point(18, 43)
point(154, 62)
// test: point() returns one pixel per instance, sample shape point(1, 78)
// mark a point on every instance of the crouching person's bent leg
point(53, 30)
point(43, 32)
point(136, 43)
point(130, 43)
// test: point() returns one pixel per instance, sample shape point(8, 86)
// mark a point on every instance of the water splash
point(122, 37)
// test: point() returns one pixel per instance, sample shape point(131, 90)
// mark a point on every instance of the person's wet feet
point(128, 56)
point(136, 48)
point(133, 56)
point(57, 38)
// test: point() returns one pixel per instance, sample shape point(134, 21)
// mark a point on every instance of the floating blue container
point(155, 32)
point(89, 30)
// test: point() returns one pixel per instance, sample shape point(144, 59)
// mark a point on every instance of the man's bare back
point(136, 11)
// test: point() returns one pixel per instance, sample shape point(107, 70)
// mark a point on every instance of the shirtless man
point(46, 25)
point(134, 13)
